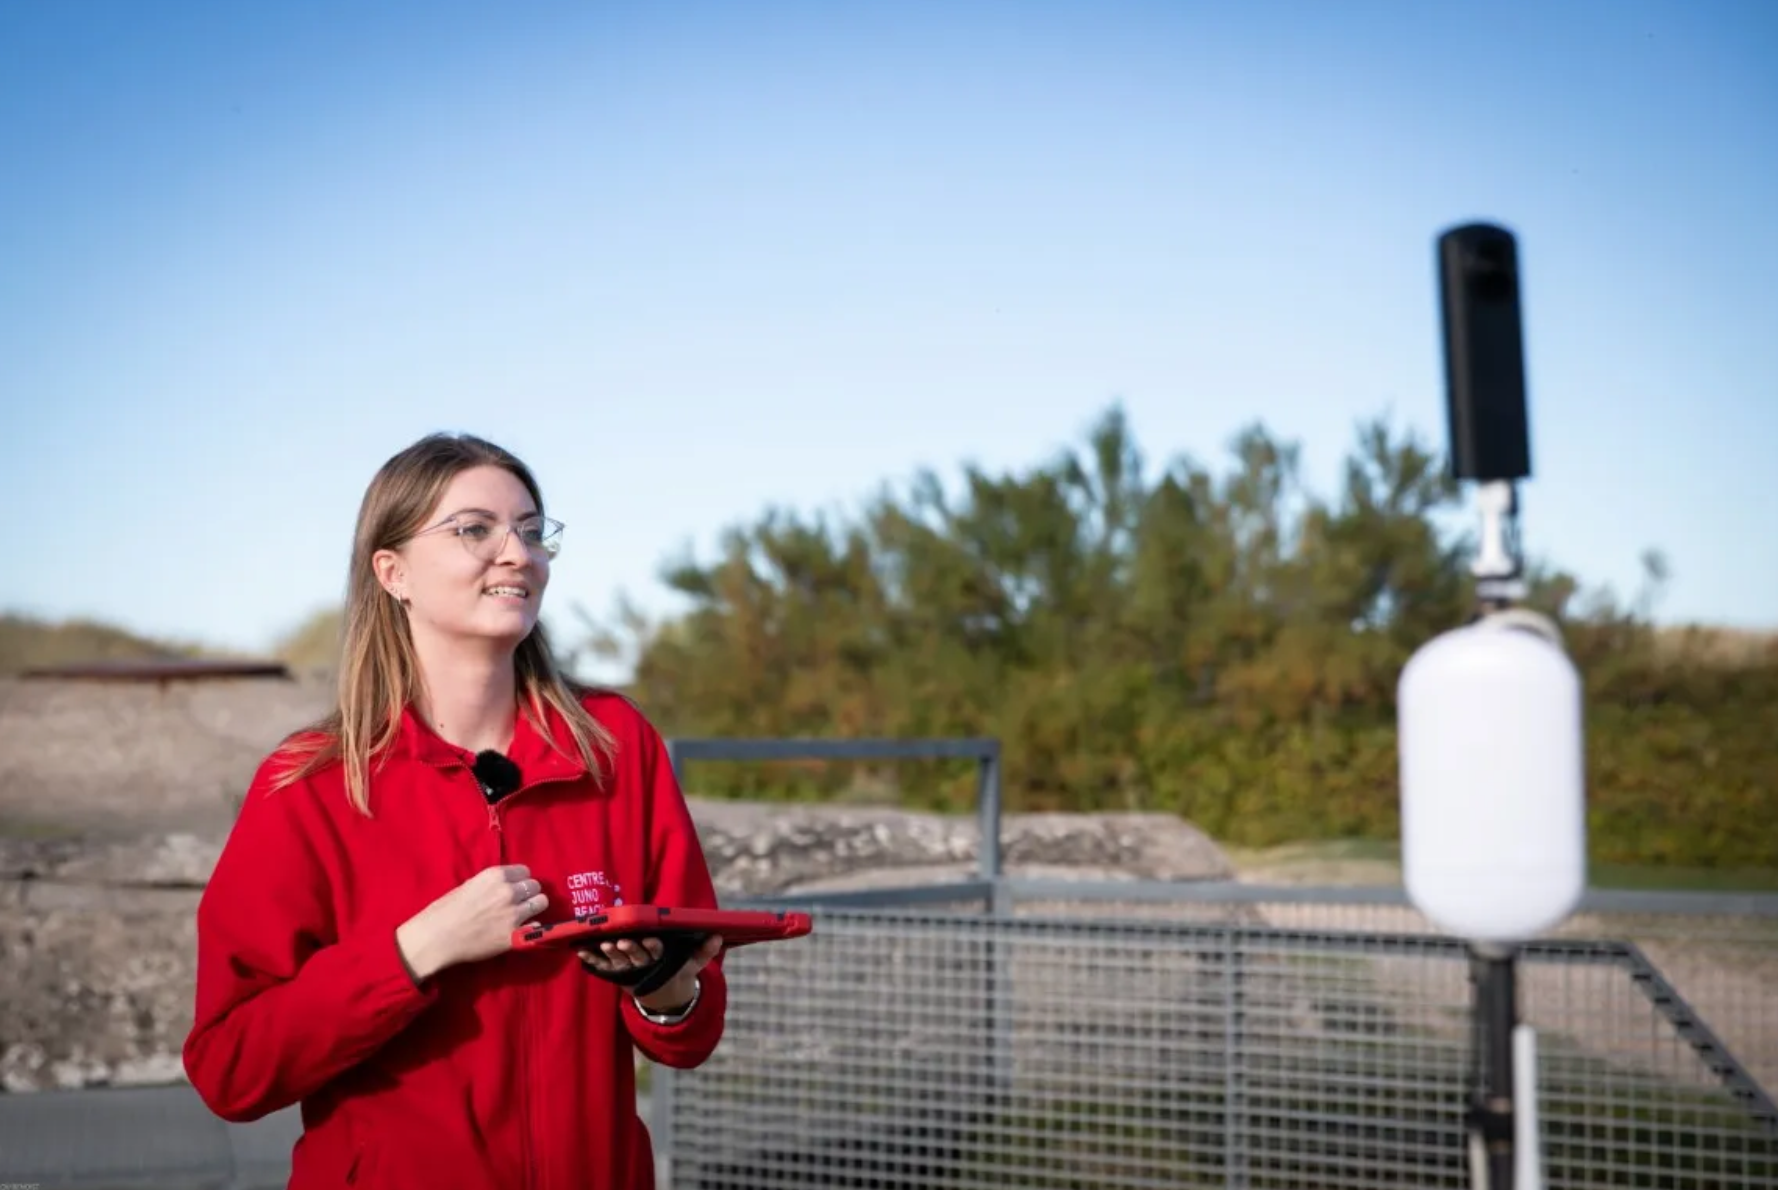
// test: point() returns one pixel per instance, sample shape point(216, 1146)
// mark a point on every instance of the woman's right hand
point(473, 921)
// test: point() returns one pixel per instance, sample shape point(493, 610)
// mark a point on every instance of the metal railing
point(1046, 1033)
point(972, 1048)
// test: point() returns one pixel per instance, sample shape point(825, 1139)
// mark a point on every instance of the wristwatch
point(672, 1018)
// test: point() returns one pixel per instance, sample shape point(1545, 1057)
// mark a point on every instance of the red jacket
point(514, 1073)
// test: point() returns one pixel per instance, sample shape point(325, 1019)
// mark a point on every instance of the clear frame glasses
point(485, 536)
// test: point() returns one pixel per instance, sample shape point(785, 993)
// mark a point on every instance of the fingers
point(623, 953)
point(634, 954)
point(615, 956)
point(528, 900)
point(705, 954)
point(524, 894)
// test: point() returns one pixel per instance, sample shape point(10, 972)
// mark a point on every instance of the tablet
point(738, 927)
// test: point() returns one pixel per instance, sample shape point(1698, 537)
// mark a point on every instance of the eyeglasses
point(485, 536)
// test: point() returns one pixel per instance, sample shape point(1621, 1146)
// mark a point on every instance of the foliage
point(28, 642)
point(1220, 645)
point(313, 644)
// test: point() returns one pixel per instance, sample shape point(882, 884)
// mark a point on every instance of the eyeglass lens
point(485, 538)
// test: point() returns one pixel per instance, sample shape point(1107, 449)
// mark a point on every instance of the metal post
point(988, 811)
point(1002, 1000)
point(1491, 1123)
point(1000, 908)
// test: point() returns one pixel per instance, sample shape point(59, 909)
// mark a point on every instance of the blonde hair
point(379, 674)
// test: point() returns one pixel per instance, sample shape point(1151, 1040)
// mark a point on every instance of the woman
point(354, 939)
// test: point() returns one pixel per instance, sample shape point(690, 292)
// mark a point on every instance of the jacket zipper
point(527, 1129)
point(524, 1032)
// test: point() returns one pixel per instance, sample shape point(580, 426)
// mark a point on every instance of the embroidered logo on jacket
point(593, 892)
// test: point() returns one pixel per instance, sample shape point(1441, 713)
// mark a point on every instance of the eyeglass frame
point(552, 533)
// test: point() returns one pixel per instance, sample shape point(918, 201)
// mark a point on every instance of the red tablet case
point(738, 927)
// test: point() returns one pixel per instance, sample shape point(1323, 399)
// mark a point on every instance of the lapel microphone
point(497, 775)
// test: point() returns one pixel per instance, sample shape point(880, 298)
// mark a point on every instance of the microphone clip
point(497, 775)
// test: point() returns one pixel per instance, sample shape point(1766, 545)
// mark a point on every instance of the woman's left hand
point(627, 954)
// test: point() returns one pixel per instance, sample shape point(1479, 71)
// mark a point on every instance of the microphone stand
point(1490, 1121)
point(1505, 1152)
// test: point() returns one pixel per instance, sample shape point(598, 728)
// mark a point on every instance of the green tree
point(1223, 645)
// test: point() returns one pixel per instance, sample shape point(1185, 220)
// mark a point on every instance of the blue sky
point(692, 260)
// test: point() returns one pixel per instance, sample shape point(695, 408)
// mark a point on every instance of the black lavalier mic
point(498, 775)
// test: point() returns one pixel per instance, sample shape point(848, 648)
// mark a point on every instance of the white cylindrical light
point(1493, 813)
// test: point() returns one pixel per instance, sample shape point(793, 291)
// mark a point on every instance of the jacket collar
point(531, 750)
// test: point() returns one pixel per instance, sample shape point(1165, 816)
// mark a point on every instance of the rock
point(759, 849)
point(36, 859)
point(19, 1066)
point(99, 984)
point(178, 859)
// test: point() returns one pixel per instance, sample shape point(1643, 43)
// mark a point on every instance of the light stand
point(1490, 739)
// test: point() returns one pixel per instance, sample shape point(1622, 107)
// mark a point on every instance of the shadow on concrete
point(142, 1138)
point(139, 1138)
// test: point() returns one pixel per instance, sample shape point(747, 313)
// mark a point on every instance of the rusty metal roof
point(162, 669)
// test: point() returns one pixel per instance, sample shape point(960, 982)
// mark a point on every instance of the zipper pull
point(494, 818)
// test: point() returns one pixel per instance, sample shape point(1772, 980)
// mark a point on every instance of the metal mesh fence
point(1187, 1044)
point(1722, 963)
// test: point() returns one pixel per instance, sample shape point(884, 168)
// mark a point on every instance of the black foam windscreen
point(498, 775)
point(1484, 353)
